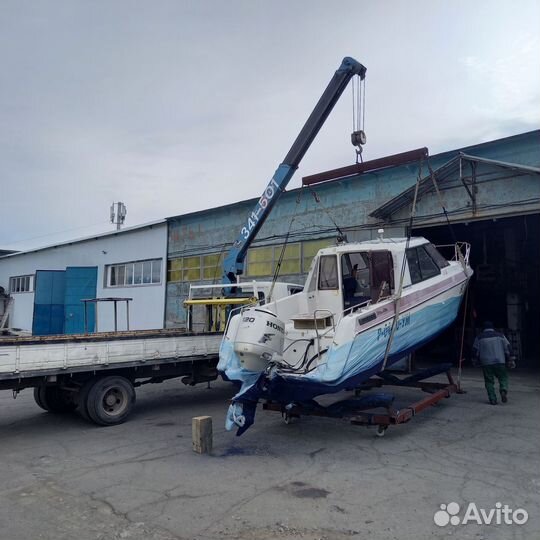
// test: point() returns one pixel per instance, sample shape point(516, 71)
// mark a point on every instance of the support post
point(201, 433)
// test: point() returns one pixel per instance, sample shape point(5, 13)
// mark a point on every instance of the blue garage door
point(81, 283)
point(49, 292)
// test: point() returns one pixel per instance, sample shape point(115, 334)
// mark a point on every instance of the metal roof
point(115, 232)
point(444, 174)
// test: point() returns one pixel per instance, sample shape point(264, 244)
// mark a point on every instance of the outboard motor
point(260, 335)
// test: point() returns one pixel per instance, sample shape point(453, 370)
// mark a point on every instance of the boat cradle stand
point(360, 409)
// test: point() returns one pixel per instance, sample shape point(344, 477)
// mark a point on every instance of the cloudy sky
point(177, 106)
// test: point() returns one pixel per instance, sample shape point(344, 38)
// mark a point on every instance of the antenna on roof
point(118, 214)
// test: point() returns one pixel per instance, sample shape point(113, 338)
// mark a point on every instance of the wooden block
point(201, 433)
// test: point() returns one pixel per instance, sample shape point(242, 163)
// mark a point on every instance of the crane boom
point(233, 263)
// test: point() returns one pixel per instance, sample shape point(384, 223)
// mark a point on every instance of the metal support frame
point(470, 192)
point(96, 301)
point(366, 415)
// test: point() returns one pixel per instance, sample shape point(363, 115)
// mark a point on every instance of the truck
point(98, 373)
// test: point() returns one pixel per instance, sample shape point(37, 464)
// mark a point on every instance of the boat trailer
point(360, 410)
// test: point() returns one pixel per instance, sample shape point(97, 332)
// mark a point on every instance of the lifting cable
point(358, 87)
point(218, 265)
point(441, 200)
point(282, 254)
point(400, 289)
point(402, 274)
point(465, 309)
point(342, 235)
point(463, 264)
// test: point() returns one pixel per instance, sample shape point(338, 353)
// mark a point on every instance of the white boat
point(364, 307)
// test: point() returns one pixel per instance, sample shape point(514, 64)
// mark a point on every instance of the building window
point(211, 266)
point(196, 268)
point(184, 269)
point(134, 273)
point(260, 262)
point(263, 261)
point(18, 284)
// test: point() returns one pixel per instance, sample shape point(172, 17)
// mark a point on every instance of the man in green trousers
point(491, 350)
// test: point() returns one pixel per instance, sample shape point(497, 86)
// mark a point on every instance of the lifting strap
point(397, 303)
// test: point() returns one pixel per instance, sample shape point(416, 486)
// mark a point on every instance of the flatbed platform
point(99, 336)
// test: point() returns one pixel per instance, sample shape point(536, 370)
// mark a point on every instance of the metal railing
point(462, 251)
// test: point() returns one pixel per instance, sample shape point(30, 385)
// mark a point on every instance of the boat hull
point(423, 315)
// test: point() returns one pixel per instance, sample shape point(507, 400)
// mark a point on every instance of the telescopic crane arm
point(233, 263)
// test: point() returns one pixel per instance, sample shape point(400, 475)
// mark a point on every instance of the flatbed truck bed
point(97, 373)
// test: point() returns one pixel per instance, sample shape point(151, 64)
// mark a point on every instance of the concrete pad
point(315, 478)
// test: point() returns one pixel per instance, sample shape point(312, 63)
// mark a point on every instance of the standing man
point(491, 350)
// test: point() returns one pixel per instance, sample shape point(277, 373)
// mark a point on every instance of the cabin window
point(367, 275)
point(382, 275)
point(433, 252)
point(414, 267)
point(312, 285)
point(328, 276)
point(428, 268)
point(356, 278)
point(421, 265)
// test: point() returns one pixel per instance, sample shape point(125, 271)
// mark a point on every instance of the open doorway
point(505, 288)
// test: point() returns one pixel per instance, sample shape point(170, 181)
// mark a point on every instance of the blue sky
point(173, 107)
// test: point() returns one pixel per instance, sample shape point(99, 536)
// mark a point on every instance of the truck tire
point(54, 399)
point(110, 400)
point(82, 400)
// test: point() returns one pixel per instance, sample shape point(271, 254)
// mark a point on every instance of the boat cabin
point(351, 276)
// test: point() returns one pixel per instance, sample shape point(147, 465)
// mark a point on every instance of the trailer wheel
point(110, 400)
point(53, 399)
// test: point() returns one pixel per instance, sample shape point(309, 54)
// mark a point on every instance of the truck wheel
point(54, 399)
point(82, 400)
point(110, 400)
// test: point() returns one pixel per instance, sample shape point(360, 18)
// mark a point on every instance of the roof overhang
point(442, 175)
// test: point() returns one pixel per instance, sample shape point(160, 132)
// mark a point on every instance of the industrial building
point(486, 194)
point(45, 286)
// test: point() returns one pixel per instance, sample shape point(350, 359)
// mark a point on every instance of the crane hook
point(358, 139)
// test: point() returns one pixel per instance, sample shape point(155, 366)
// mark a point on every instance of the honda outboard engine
point(260, 335)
